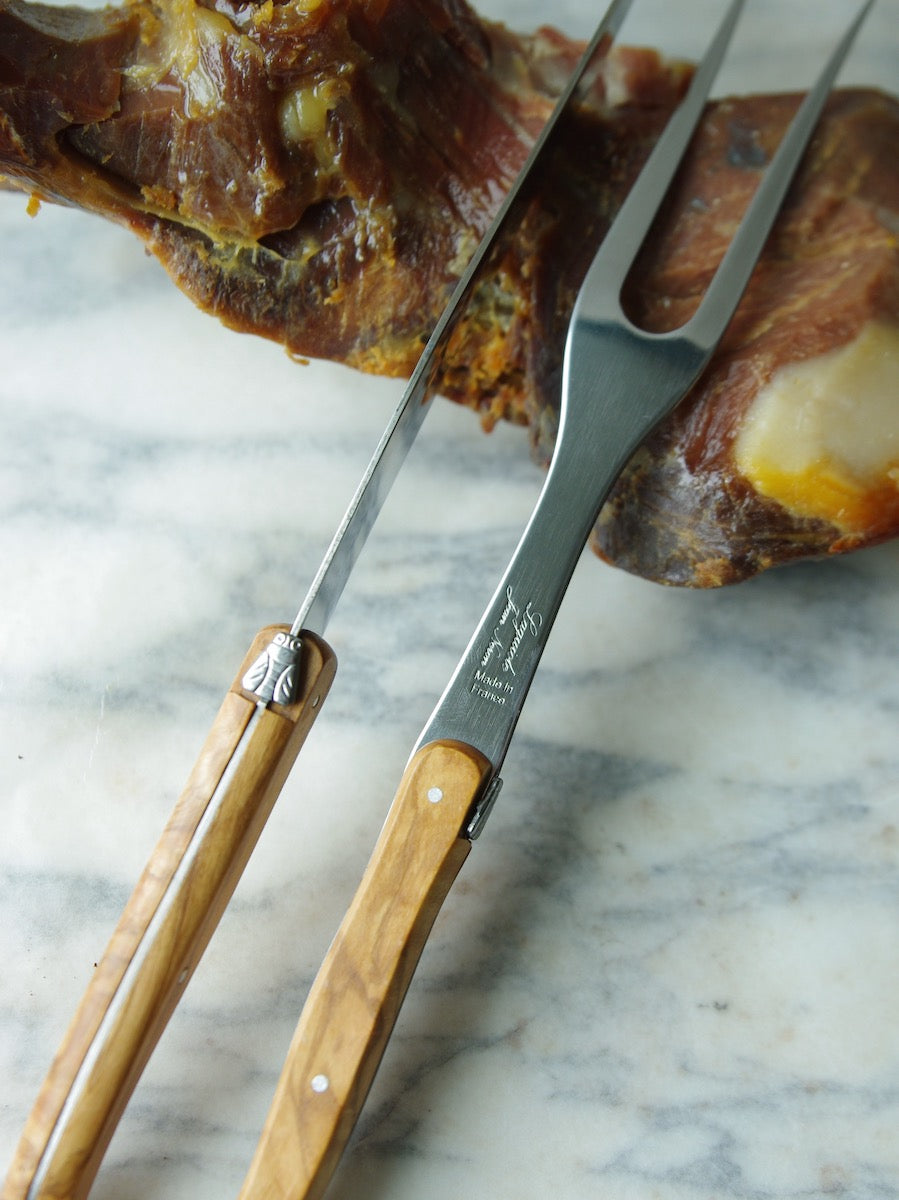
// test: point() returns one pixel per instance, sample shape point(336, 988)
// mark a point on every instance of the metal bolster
point(481, 809)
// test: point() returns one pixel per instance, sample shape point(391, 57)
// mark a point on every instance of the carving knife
point(254, 741)
point(618, 382)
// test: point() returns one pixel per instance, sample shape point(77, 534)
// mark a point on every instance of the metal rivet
point(435, 795)
point(321, 1083)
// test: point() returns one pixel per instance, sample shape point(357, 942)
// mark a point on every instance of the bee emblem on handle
point(272, 677)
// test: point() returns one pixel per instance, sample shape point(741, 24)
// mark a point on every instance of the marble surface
point(670, 967)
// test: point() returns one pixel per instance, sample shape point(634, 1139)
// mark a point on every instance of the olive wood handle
point(354, 1001)
point(165, 928)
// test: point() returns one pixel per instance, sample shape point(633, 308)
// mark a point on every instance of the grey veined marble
point(670, 967)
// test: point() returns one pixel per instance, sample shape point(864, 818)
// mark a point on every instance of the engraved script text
point(516, 625)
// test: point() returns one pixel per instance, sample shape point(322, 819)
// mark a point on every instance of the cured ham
point(789, 445)
point(318, 171)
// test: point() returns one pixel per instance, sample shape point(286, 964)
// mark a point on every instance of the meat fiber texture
point(319, 172)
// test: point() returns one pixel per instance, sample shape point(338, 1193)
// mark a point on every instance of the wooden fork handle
point(165, 927)
point(354, 1001)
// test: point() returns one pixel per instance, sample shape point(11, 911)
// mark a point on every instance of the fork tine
point(616, 255)
point(729, 281)
point(599, 299)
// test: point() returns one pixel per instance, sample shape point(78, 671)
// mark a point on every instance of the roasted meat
point(319, 171)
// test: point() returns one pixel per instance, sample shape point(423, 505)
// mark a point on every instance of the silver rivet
point(321, 1083)
point(435, 795)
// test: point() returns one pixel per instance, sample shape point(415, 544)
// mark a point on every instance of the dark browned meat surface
point(318, 173)
point(683, 512)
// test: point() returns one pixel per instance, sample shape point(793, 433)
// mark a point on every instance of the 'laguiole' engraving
point(494, 678)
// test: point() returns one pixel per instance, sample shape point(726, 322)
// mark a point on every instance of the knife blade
point(254, 741)
point(618, 383)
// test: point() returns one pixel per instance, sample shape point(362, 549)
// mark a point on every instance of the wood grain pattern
point(164, 930)
point(354, 1002)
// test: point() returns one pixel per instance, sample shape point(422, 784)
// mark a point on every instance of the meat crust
point(318, 172)
point(683, 512)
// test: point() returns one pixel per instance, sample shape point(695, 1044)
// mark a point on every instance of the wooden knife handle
point(165, 928)
point(355, 999)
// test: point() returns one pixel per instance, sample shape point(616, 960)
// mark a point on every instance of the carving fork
point(618, 383)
